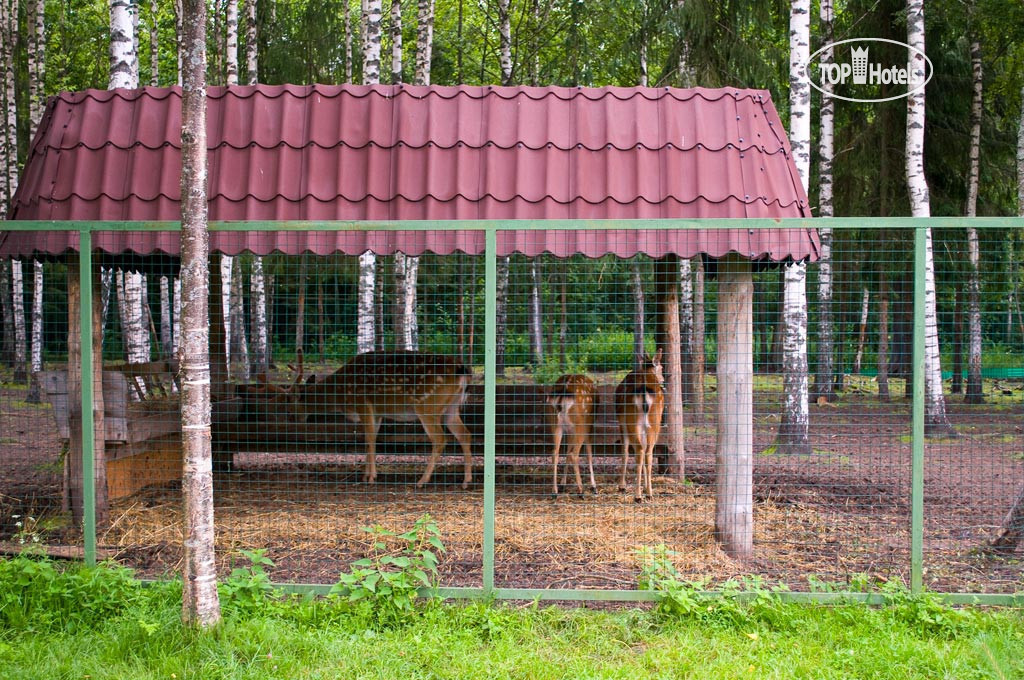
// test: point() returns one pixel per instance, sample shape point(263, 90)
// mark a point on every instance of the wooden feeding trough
point(142, 422)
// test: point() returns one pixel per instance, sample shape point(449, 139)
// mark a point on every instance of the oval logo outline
point(928, 63)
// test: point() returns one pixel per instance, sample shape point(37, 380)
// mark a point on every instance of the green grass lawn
point(102, 623)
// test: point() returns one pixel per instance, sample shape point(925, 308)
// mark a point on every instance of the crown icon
point(860, 65)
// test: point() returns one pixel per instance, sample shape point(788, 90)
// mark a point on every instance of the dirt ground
point(830, 516)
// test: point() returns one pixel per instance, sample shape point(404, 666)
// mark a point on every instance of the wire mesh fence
point(348, 392)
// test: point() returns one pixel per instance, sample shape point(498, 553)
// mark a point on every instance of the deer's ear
point(310, 380)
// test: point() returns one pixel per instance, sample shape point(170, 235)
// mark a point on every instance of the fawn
point(639, 403)
point(399, 385)
point(573, 399)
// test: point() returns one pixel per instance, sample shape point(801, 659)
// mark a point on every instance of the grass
point(102, 623)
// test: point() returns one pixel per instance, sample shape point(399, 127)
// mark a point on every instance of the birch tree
point(122, 46)
point(936, 421)
point(501, 304)
point(18, 308)
point(154, 44)
point(824, 380)
point(259, 357)
point(200, 605)
point(366, 329)
point(793, 436)
point(36, 61)
point(974, 393)
point(37, 329)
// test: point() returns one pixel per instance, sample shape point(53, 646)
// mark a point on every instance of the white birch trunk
point(123, 60)
point(638, 313)
point(825, 379)
point(135, 328)
point(37, 331)
point(154, 46)
point(200, 604)
point(238, 340)
point(36, 62)
point(166, 332)
point(133, 7)
point(11, 28)
point(862, 336)
point(793, 437)
point(179, 37)
point(366, 329)
point(348, 45)
point(936, 421)
point(20, 335)
point(7, 63)
point(251, 44)
point(975, 393)
point(734, 485)
point(396, 42)
point(231, 29)
point(260, 355)
point(424, 41)
point(643, 62)
point(505, 32)
point(501, 312)
point(697, 344)
point(686, 326)
point(7, 312)
point(176, 317)
point(536, 321)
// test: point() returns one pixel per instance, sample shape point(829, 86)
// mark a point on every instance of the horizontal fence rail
point(906, 507)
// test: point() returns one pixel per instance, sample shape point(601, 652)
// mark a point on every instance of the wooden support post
point(734, 501)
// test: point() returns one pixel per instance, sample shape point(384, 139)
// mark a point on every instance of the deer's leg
point(465, 438)
point(574, 458)
point(556, 435)
point(371, 425)
point(625, 456)
point(641, 458)
point(590, 461)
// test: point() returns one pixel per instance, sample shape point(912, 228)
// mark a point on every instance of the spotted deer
point(639, 402)
point(399, 385)
point(573, 400)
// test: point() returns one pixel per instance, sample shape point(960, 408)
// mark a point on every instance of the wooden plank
point(159, 464)
point(63, 552)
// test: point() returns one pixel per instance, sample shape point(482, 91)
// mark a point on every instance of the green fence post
point(917, 434)
point(490, 375)
point(88, 461)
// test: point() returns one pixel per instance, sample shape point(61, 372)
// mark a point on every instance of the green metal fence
point(872, 499)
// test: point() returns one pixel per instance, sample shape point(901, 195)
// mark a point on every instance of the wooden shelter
point(399, 152)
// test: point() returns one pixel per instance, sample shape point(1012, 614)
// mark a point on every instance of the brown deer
point(398, 385)
point(639, 402)
point(573, 399)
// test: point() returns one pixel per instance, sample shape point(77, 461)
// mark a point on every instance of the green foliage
point(925, 611)
point(398, 567)
point(248, 590)
point(737, 602)
point(35, 594)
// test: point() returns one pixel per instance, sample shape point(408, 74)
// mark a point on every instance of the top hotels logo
point(857, 71)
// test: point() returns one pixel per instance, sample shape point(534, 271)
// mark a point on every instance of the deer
point(572, 399)
point(639, 403)
point(399, 385)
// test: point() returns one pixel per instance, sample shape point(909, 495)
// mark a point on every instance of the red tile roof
point(400, 152)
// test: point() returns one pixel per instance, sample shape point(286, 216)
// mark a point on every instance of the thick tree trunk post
point(669, 341)
point(200, 605)
point(76, 480)
point(734, 464)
